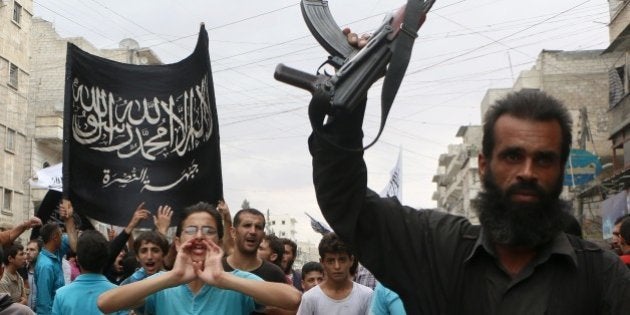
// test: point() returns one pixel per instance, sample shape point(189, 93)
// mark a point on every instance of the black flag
point(136, 133)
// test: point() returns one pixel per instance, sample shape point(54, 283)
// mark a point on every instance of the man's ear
point(273, 256)
point(483, 163)
point(177, 243)
point(233, 232)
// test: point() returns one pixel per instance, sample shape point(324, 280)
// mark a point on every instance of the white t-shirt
point(67, 270)
point(316, 302)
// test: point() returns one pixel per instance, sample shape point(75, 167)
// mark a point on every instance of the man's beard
point(525, 224)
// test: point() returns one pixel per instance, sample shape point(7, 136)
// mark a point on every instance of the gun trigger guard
point(319, 69)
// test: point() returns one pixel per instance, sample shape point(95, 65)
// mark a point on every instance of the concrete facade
point(619, 112)
point(15, 70)
point(580, 80)
point(615, 180)
point(458, 174)
point(282, 225)
point(307, 251)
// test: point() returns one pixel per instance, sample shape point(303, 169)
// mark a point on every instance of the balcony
point(619, 115)
point(49, 129)
point(619, 28)
point(438, 179)
point(445, 159)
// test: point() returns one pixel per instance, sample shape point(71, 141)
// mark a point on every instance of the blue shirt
point(386, 302)
point(33, 289)
point(49, 276)
point(209, 300)
point(136, 276)
point(80, 296)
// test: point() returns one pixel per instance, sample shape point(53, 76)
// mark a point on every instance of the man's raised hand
point(211, 269)
point(354, 39)
point(65, 209)
point(182, 271)
point(32, 222)
point(141, 213)
point(162, 220)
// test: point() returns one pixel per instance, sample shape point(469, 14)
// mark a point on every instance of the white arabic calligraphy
point(124, 179)
point(154, 128)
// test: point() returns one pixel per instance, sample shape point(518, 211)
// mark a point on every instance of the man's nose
point(527, 171)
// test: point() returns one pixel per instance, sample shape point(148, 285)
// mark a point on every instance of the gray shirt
point(316, 302)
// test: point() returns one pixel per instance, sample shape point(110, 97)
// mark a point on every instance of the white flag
point(394, 186)
point(49, 178)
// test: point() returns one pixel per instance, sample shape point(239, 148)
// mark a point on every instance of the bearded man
point(517, 262)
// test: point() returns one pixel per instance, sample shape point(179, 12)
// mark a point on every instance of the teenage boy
point(150, 248)
point(312, 275)
point(11, 281)
point(337, 293)
point(79, 297)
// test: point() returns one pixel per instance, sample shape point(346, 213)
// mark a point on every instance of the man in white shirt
point(337, 294)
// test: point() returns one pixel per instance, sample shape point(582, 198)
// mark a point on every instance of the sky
point(464, 48)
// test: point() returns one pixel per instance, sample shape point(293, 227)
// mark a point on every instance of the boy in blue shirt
point(79, 297)
point(197, 284)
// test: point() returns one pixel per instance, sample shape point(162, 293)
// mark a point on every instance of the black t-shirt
point(267, 271)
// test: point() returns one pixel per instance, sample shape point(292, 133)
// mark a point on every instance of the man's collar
point(89, 276)
point(243, 262)
point(12, 275)
point(46, 252)
point(560, 245)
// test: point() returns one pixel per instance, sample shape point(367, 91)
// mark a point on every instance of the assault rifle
point(386, 54)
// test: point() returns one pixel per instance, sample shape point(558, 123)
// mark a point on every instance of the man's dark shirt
point(440, 263)
point(267, 271)
point(296, 279)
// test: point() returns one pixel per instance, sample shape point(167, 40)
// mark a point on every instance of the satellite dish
point(129, 43)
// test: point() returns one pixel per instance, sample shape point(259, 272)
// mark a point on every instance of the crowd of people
point(196, 273)
point(525, 257)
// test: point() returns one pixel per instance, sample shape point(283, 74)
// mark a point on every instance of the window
point(17, 12)
point(8, 196)
point(619, 84)
point(282, 222)
point(13, 75)
point(273, 222)
point(10, 144)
